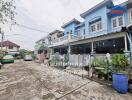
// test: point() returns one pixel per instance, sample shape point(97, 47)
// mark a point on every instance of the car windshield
point(8, 57)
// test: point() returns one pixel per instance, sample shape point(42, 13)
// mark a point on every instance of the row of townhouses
point(100, 33)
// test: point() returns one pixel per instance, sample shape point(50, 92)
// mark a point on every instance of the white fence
point(79, 60)
point(74, 60)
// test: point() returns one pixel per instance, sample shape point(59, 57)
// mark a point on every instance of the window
point(117, 22)
point(10, 47)
point(95, 27)
point(130, 15)
point(92, 28)
point(114, 23)
point(78, 32)
point(120, 21)
point(99, 26)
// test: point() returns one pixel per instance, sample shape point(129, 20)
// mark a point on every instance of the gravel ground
point(32, 81)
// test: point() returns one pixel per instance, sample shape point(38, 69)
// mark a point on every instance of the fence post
point(90, 66)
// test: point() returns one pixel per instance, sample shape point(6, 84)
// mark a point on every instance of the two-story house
point(100, 32)
point(57, 39)
point(8, 46)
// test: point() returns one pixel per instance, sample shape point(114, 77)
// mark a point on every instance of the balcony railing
point(73, 38)
point(65, 39)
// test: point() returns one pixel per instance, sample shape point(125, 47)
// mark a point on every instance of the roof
point(72, 21)
point(55, 31)
point(105, 2)
point(9, 43)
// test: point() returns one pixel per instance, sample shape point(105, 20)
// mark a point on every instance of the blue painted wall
point(69, 28)
point(94, 15)
point(106, 20)
point(81, 28)
point(125, 21)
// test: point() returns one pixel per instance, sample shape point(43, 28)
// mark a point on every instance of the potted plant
point(120, 79)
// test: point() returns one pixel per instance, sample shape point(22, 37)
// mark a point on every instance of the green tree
point(7, 11)
point(24, 52)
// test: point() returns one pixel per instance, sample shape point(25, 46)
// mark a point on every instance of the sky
point(44, 15)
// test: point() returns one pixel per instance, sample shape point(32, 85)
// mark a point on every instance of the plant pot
point(120, 82)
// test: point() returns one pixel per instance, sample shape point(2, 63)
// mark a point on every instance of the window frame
point(78, 32)
point(94, 27)
point(117, 22)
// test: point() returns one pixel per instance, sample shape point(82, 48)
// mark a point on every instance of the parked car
point(7, 59)
point(28, 58)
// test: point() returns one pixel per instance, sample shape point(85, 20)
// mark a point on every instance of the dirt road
point(32, 81)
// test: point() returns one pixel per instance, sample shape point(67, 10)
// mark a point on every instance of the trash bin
point(120, 83)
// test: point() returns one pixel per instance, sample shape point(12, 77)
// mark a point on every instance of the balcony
point(96, 34)
point(64, 40)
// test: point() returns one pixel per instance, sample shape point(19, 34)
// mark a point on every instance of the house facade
point(100, 32)
point(8, 46)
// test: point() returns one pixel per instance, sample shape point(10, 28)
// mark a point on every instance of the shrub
point(120, 62)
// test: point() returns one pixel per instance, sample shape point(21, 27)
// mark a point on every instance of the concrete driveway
point(32, 81)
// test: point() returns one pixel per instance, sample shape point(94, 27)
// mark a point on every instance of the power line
point(30, 28)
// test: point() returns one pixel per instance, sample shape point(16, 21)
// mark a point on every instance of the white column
point(125, 40)
point(51, 51)
point(69, 49)
point(92, 48)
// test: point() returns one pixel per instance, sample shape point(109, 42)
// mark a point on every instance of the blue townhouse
point(100, 32)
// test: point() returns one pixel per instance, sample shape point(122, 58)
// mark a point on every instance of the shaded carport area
point(107, 43)
point(116, 45)
point(61, 50)
point(81, 48)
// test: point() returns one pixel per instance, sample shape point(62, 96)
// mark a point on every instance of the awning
point(96, 19)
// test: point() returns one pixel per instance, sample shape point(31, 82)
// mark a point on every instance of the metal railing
point(64, 38)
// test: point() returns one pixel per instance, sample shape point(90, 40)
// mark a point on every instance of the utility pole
point(2, 38)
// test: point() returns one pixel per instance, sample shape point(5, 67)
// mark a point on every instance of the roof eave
point(83, 15)
point(55, 31)
point(73, 20)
